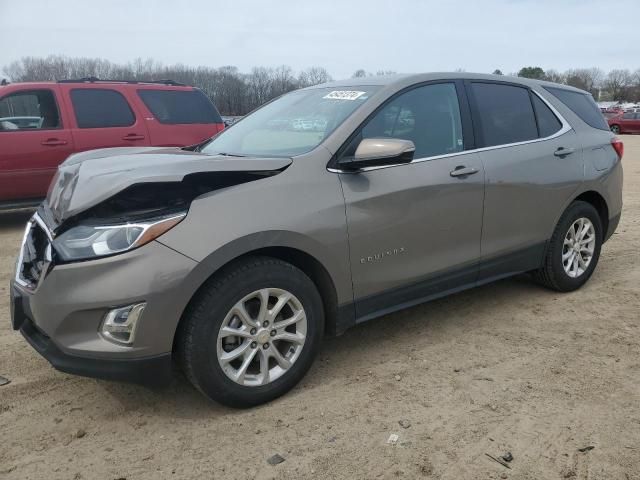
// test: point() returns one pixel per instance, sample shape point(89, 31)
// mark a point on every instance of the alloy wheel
point(261, 337)
point(578, 247)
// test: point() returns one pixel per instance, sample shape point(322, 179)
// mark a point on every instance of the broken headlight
point(83, 242)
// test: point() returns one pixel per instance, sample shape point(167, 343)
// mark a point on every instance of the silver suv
point(325, 208)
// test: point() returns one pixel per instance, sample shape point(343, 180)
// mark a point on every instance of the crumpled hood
point(88, 178)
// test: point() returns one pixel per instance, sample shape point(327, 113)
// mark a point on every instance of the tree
point(554, 76)
point(497, 71)
point(532, 72)
point(588, 79)
point(359, 74)
point(617, 82)
point(313, 76)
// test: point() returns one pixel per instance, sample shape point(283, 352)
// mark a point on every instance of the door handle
point(563, 152)
point(462, 171)
point(133, 136)
point(52, 142)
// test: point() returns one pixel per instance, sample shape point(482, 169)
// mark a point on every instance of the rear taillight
point(618, 146)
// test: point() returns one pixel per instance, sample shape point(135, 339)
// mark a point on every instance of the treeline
point(233, 92)
point(620, 85)
point(236, 93)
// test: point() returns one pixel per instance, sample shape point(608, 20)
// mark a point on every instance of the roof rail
point(96, 79)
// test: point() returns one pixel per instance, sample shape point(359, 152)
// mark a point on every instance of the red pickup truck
point(42, 123)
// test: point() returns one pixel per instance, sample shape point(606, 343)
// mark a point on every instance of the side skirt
point(439, 285)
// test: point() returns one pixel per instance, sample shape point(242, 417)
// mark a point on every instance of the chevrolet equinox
point(327, 207)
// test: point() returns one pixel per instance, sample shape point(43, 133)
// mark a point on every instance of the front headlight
point(90, 241)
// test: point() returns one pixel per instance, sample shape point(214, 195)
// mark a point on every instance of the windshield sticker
point(344, 95)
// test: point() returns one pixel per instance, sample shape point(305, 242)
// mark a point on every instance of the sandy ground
point(506, 367)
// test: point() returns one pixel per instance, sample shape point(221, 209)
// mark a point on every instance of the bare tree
point(588, 79)
point(313, 76)
point(617, 82)
point(552, 75)
point(236, 93)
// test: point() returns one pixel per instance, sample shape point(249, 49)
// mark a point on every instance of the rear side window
point(548, 123)
point(582, 105)
point(101, 108)
point(629, 116)
point(505, 113)
point(180, 106)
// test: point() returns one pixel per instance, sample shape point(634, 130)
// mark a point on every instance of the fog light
point(119, 324)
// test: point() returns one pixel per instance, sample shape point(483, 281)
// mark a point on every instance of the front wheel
point(574, 249)
point(252, 332)
point(615, 129)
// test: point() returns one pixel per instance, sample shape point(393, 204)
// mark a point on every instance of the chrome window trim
point(566, 127)
point(47, 255)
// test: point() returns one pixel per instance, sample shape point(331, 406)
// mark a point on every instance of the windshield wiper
point(229, 154)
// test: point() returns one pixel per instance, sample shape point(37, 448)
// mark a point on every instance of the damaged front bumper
point(61, 316)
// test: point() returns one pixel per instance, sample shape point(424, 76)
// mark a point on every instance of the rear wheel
point(574, 249)
point(252, 333)
point(615, 129)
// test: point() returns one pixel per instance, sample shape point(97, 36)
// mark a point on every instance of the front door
point(414, 229)
point(33, 141)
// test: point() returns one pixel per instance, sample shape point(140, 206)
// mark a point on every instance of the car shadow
point(429, 323)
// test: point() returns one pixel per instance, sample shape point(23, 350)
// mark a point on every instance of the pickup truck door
point(34, 139)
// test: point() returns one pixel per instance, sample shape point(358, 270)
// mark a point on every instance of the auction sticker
point(344, 95)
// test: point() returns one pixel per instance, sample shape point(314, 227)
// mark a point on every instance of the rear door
point(34, 139)
point(103, 117)
point(533, 164)
point(177, 116)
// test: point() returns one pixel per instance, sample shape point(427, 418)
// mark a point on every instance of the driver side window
point(30, 110)
point(429, 116)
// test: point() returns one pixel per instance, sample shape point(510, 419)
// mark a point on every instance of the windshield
point(293, 124)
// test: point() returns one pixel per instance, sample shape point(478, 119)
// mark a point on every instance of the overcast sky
point(400, 35)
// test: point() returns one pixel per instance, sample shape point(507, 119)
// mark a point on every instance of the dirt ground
point(505, 367)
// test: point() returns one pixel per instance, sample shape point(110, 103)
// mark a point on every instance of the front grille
point(35, 256)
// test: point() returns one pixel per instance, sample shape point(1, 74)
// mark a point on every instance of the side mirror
point(377, 152)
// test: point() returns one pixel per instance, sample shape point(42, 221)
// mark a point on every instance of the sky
point(342, 36)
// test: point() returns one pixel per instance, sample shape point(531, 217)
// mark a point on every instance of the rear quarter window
point(548, 123)
point(583, 105)
point(180, 106)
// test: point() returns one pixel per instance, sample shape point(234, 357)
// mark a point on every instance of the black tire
point(552, 274)
point(615, 129)
point(197, 336)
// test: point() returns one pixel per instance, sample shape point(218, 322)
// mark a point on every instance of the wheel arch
point(307, 262)
point(600, 204)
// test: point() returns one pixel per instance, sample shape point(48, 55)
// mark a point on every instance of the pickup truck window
point(29, 110)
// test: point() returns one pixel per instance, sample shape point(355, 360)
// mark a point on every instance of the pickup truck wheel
point(252, 332)
point(574, 249)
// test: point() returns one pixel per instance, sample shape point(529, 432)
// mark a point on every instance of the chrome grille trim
point(34, 222)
